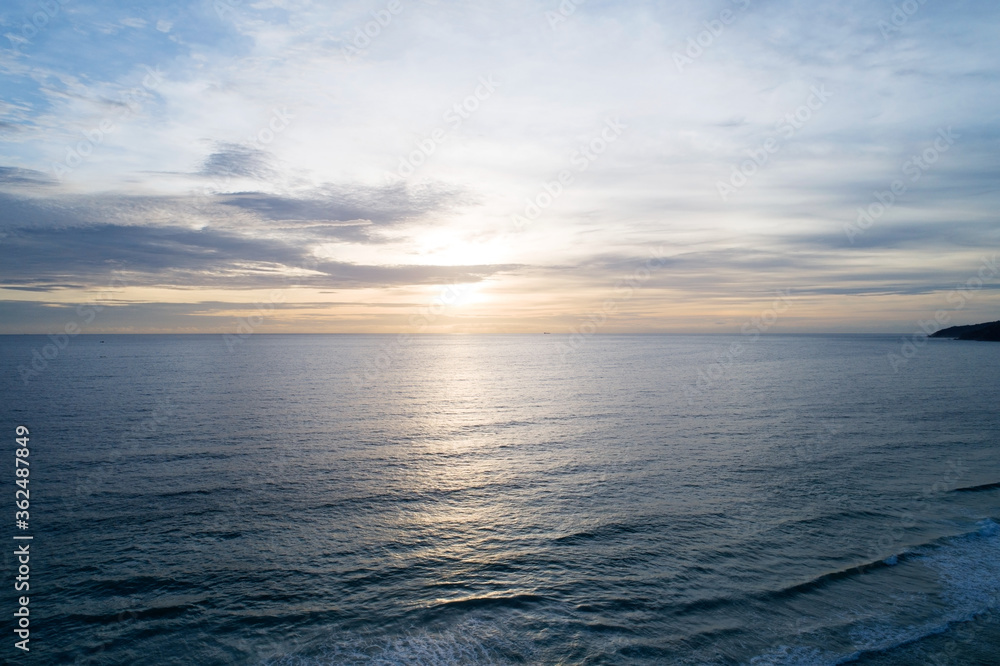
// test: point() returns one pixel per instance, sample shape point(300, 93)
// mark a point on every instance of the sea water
point(508, 500)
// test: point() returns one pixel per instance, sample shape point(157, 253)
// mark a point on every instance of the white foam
point(784, 655)
point(471, 642)
point(968, 569)
point(989, 527)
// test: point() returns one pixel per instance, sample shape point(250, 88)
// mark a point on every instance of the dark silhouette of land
point(975, 489)
point(981, 332)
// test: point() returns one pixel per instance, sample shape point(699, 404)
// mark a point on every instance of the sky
point(516, 166)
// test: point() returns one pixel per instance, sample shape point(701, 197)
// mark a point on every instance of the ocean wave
point(508, 601)
point(968, 572)
point(472, 641)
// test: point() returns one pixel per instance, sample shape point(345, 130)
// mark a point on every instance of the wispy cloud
point(181, 192)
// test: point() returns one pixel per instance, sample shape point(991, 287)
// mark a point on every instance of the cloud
point(390, 204)
point(231, 240)
point(331, 211)
point(52, 258)
point(234, 160)
point(16, 176)
point(807, 266)
point(317, 188)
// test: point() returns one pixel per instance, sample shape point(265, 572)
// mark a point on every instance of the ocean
point(523, 499)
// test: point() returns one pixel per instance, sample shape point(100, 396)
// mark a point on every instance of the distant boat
point(546, 333)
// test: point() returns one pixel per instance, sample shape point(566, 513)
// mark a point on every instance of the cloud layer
point(204, 152)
